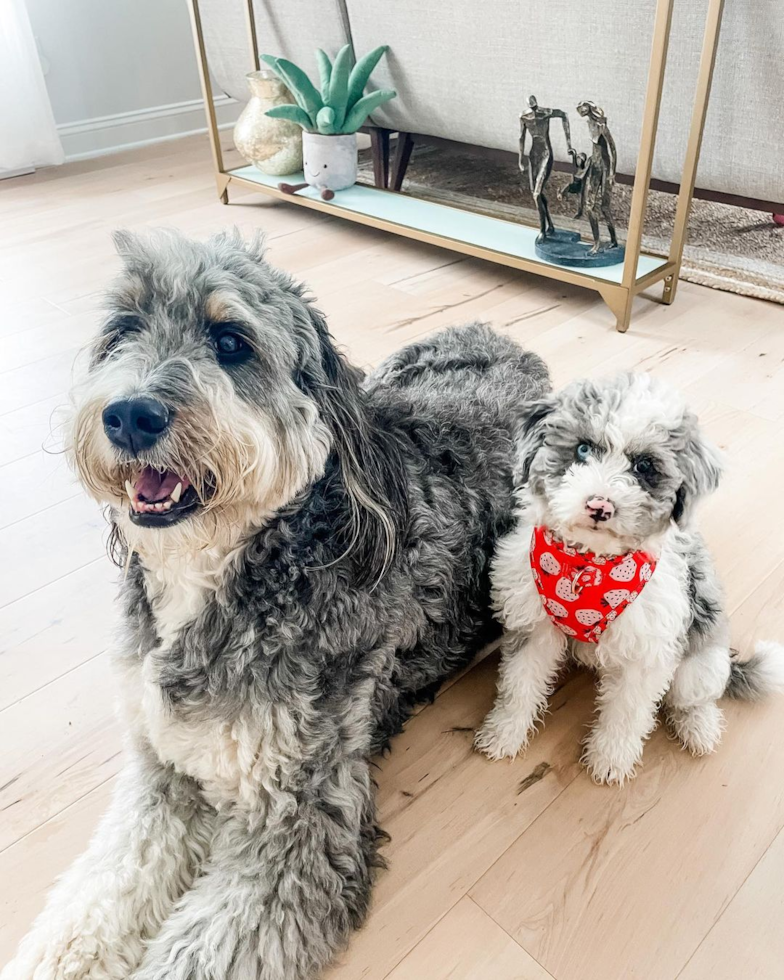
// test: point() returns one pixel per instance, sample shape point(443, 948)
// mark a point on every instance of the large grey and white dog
point(306, 555)
point(609, 467)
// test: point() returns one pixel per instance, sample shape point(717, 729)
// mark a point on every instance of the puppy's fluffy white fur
point(670, 647)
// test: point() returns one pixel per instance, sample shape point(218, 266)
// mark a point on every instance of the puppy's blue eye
point(583, 451)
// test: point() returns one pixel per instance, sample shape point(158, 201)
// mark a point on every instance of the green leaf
point(298, 83)
point(293, 113)
point(338, 85)
point(272, 61)
point(325, 73)
point(364, 107)
point(361, 73)
point(326, 121)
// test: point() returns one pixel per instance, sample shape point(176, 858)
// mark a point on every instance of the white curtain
point(28, 137)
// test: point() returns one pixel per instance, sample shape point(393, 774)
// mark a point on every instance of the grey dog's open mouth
point(160, 498)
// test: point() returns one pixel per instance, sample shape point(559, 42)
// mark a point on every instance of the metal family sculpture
point(536, 123)
point(593, 179)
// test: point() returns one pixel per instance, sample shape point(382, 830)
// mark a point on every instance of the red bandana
point(583, 593)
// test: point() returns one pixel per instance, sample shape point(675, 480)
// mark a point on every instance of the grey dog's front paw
point(68, 956)
point(209, 952)
point(218, 962)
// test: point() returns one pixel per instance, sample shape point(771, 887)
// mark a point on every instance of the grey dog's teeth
point(159, 507)
point(176, 493)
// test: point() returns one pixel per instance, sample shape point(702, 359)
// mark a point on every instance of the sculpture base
point(565, 248)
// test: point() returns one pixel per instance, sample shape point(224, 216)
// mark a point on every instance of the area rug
point(733, 249)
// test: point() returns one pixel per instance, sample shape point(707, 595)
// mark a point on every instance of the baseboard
point(125, 130)
point(21, 172)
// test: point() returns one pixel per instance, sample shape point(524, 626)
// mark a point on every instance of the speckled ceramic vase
point(330, 161)
point(272, 145)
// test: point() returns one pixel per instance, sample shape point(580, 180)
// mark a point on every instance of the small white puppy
point(603, 563)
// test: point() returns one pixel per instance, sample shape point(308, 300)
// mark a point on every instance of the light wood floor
point(522, 870)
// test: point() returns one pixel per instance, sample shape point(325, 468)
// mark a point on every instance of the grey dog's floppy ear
point(701, 467)
point(530, 436)
point(133, 249)
point(370, 459)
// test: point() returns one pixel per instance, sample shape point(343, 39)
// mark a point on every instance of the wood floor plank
point(28, 868)
point(747, 941)
point(48, 545)
point(39, 380)
point(66, 333)
point(626, 882)
point(743, 521)
point(20, 318)
point(33, 483)
point(75, 713)
point(32, 429)
point(760, 616)
point(753, 378)
point(467, 945)
point(56, 628)
point(443, 837)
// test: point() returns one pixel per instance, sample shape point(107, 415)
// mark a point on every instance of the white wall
point(119, 72)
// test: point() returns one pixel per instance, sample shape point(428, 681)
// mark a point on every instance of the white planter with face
point(330, 162)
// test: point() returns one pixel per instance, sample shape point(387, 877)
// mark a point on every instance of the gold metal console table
point(496, 240)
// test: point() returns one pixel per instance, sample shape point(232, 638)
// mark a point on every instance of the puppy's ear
point(530, 437)
point(701, 468)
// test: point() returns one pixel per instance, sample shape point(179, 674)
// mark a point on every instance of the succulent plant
point(340, 106)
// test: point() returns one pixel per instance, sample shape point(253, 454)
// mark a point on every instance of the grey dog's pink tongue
point(152, 486)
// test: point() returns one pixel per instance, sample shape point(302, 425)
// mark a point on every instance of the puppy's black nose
point(135, 424)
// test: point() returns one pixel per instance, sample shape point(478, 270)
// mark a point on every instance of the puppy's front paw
point(610, 760)
point(502, 736)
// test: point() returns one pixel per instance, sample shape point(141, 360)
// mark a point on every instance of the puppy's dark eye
point(230, 347)
point(645, 468)
point(583, 451)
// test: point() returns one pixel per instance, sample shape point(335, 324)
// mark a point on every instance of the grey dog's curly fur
point(350, 603)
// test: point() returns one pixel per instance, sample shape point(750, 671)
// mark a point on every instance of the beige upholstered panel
point(292, 28)
point(463, 70)
point(743, 150)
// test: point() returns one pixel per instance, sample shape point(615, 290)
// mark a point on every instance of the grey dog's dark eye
point(230, 347)
point(583, 451)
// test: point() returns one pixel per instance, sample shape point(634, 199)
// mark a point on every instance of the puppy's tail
point(760, 675)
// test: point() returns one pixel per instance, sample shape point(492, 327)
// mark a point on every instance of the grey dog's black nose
point(135, 424)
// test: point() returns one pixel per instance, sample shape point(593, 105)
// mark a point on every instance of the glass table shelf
point(444, 225)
